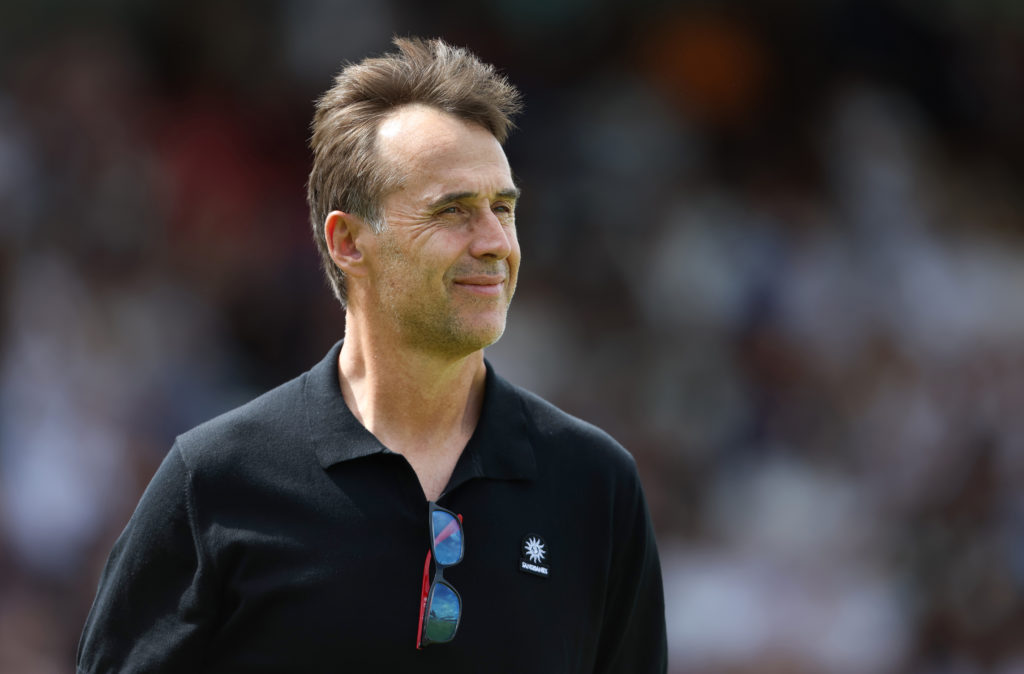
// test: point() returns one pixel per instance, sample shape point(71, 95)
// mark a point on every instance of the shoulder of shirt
point(555, 430)
point(256, 429)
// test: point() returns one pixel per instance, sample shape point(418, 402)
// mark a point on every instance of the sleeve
point(633, 634)
point(156, 603)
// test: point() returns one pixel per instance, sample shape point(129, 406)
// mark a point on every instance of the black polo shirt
point(284, 537)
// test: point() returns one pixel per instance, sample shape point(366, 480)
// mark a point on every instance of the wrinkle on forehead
point(436, 153)
point(418, 132)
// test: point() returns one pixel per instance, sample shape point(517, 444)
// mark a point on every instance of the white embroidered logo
point(535, 556)
point(534, 549)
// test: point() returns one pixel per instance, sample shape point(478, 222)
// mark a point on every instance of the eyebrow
point(510, 193)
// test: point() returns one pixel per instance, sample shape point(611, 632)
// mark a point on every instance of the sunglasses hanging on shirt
point(440, 603)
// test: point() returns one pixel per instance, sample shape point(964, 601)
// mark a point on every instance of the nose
point(491, 237)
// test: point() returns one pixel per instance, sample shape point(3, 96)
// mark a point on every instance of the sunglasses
point(440, 604)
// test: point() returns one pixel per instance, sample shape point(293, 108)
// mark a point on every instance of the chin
point(480, 341)
point(479, 337)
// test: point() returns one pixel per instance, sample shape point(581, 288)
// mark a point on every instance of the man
point(399, 507)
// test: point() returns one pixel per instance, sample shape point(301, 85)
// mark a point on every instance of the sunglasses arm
point(423, 600)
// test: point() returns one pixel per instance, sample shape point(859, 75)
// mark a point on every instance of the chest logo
point(534, 556)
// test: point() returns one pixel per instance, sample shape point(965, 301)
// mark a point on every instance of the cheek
point(517, 253)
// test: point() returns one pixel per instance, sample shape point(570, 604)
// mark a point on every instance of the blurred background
point(776, 248)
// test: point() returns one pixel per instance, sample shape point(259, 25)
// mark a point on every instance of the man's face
point(445, 266)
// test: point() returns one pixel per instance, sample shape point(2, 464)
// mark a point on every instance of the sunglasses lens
point(443, 613)
point(447, 533)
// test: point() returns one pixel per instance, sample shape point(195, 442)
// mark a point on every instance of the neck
point(416, 402)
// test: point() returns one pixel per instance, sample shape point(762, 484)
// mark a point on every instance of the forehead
point(430, 148)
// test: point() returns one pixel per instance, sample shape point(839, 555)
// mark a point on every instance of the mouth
point(481, 285)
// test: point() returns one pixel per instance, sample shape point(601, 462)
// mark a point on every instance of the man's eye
point(450, 210)
point(503, 208)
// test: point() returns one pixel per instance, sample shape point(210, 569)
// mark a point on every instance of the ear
point(342, 233)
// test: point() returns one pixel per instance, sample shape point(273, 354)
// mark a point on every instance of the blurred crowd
point(776, 249)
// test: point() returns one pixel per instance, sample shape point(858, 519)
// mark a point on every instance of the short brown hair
point(347, 174)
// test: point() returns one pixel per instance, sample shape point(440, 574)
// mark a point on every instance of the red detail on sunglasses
point(425, 590)
point(423, 600)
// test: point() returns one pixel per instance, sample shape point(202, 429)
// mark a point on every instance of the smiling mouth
point(482, 285)
point(481, 280)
